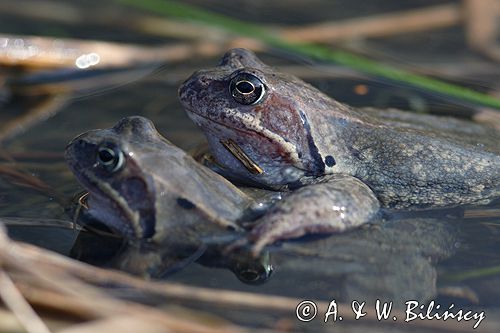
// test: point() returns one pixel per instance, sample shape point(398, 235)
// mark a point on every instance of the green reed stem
point(472, 274)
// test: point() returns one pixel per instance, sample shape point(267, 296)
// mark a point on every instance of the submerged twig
point(24, 179)
point(460, 292)
point(31, 222)
point(38, 113)
point(32, 155)
point(30, 181)
point(482, 213)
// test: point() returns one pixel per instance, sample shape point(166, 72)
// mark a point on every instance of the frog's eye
point(247, 89)
point(110, 157)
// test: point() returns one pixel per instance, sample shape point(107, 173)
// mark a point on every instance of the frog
point(273, 130)
point(152, 194)
point(162, 201)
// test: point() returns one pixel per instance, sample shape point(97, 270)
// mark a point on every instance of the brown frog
point(295, 133)
point(273, 130)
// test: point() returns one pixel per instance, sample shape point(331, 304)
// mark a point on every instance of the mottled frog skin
point(145, 188)
point(297, 135)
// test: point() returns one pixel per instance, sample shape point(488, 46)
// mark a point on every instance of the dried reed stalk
point(51, 281)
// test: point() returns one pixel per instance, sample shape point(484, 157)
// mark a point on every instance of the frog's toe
point(264, 235)
point(236, 246)
point(259, 245)
point(255, 243)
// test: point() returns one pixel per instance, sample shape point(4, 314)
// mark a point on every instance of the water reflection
point(391, 259)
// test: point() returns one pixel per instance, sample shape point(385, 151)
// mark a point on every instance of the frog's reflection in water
point(144, 259)
point(393, 259)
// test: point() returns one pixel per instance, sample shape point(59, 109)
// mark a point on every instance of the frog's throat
point(256, 129)
point(241, 156)
point(102, 189)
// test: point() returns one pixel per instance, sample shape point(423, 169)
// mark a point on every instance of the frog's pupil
point(110, 158)
point(250, 275)
point(245, 87)
point(106, 155)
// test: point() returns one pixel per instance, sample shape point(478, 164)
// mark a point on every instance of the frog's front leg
point(336, 205)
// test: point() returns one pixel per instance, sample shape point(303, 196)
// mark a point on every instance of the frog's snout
point(190, 90)
point(182, 91)
point(79, 152)
point(72, 147)
point(77, 141)
point(198, 81)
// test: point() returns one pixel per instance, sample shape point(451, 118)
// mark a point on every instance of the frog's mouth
point(250, 164)
point(107, 206)
point(198, 118)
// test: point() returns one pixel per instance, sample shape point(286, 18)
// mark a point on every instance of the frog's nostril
point(204, 81)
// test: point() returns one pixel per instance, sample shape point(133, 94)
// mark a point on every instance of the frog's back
point(468, 133)
point(410, 160)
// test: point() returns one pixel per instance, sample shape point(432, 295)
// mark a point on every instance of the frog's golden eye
point(247, 89)
point(110, 157)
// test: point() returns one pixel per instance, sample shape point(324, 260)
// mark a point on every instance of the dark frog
point(273, 130)
point(168, 206)
point(146, 188)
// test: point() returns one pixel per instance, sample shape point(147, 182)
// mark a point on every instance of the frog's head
point(255, 119)
point(107, 163)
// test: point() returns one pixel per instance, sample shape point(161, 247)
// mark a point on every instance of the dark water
point(439, 255)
